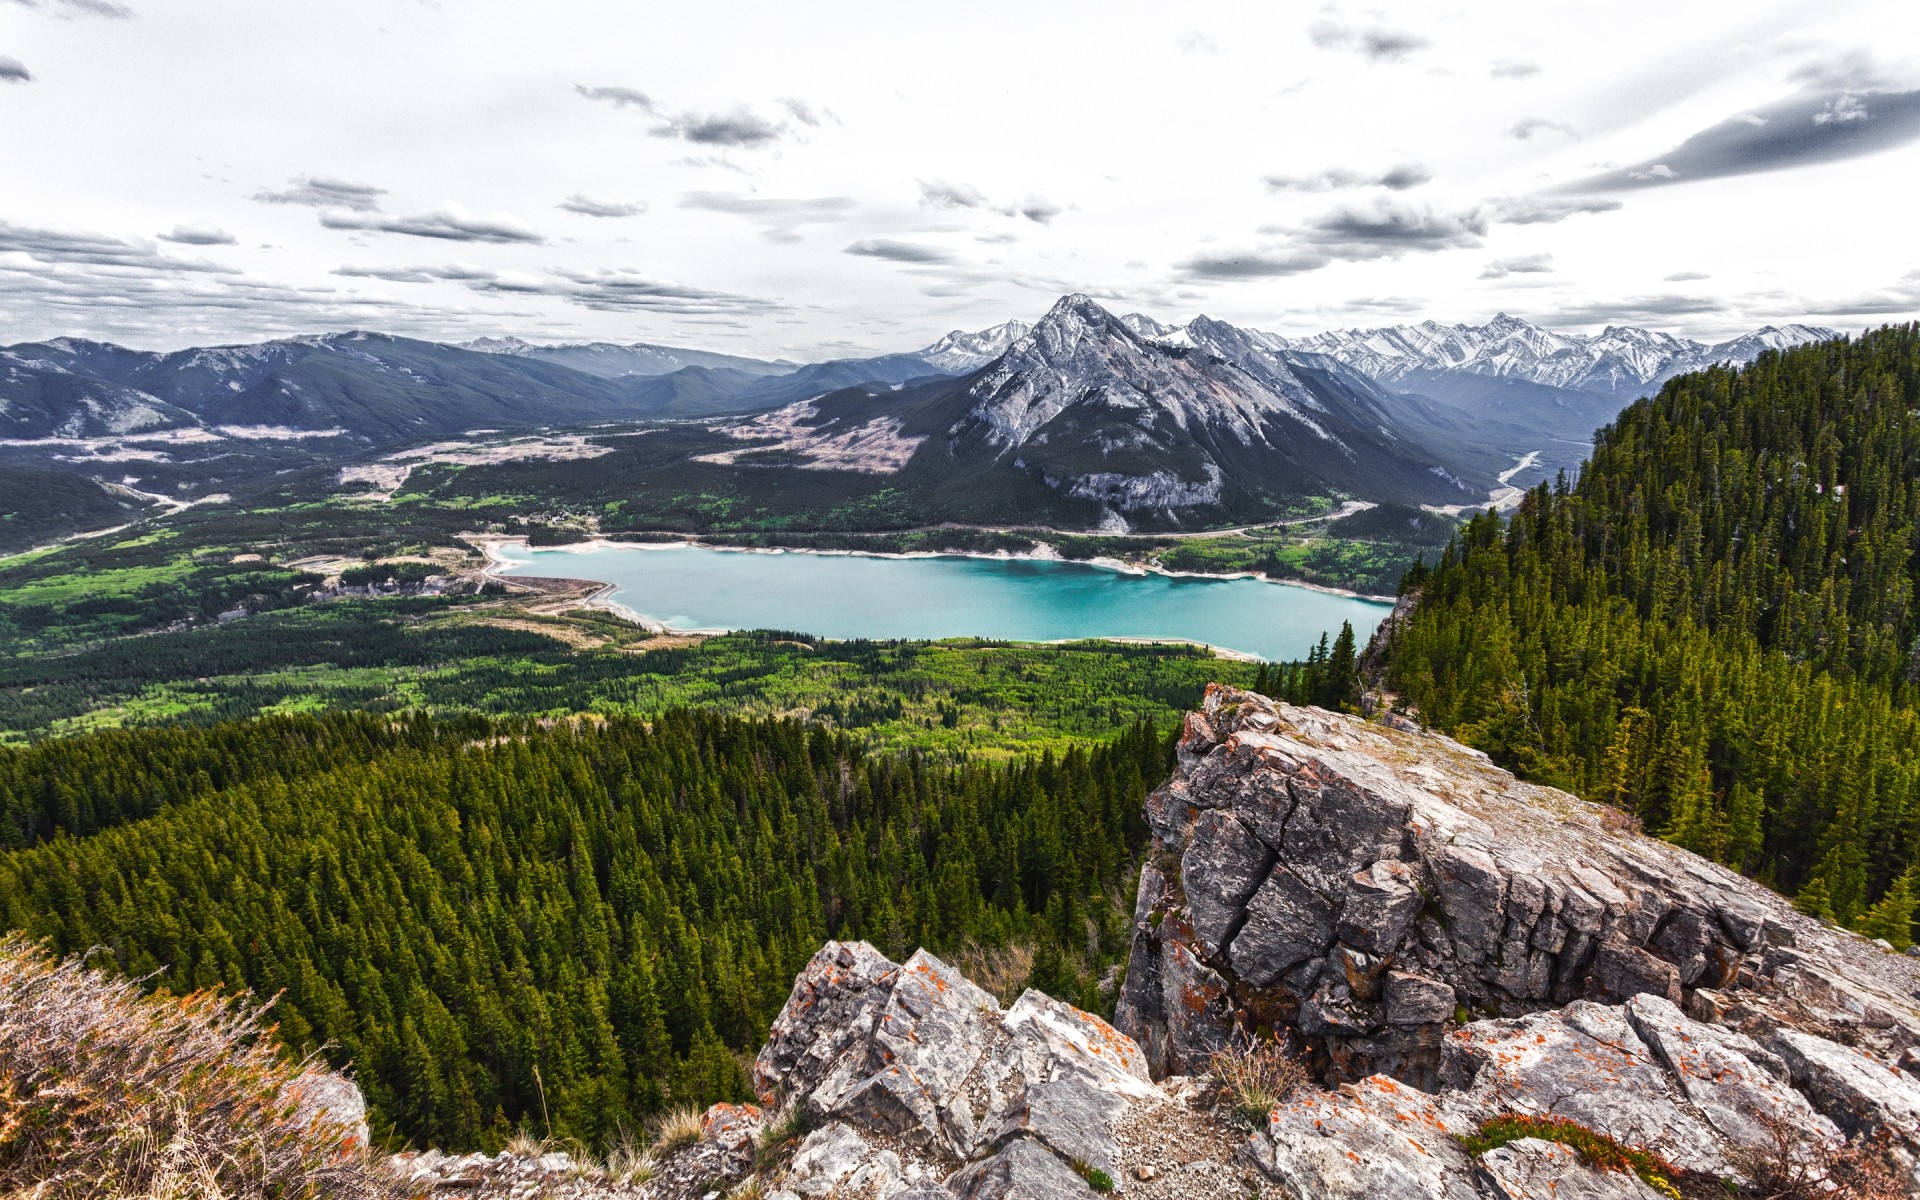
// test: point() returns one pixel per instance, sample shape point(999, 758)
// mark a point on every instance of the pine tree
point(1814, 900)
point(1891, 917)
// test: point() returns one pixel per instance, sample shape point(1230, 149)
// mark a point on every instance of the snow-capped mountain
point(1083, 421)
point(1620, 360)
point(960, 351)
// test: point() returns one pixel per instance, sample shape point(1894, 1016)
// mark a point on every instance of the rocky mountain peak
point(961, 350)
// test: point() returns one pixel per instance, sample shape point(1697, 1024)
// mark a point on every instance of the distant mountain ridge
point(961, 351)
point(1620, 360)
point(612, 360)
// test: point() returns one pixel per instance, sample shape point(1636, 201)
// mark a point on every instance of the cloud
point(588, 207)
point(199, 234)
point(1387, 227)
point(943, 194)
point(1195, 42)
point(801, 110)
point(100, 285)
point(618, 290)
point(1899, 299)
point(1513, 68)
point(74, 248)
point(736, 128)
point(1686, 276)
point(606, 290)
point(1400, 178)
point(79, 8)
point(619, 97)
point(1040, 210)
point(1393, 225)
point(1526, 264)
point(940, 194)
point(1378, 43)
point(905, 252)
point(453, 224)
point(1799, 131)
point(1253, 264)
point(1528, 128)
point(12, 70)
point(321, 191)
point(739, 127)
point(454, 272)
point(1634, 310)
point(779, 217)
point(1546, 210)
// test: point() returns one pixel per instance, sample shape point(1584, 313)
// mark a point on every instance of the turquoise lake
point(861, 596)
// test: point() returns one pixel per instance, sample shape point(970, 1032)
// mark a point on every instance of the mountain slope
point(1083, 421)
point(377, 389)
point(1738, 565)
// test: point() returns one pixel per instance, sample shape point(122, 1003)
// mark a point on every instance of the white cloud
point(1277, 166)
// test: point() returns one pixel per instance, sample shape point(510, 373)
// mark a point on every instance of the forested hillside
point(1715, 627)
point(470, 911)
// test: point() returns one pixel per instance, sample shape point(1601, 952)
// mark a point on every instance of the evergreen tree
point(1891, 919)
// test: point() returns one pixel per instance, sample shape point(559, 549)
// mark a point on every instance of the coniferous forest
point(1715, 626)
point(507, 923)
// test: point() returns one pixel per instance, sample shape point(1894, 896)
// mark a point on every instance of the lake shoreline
point(601, 597)
point(1044, 552)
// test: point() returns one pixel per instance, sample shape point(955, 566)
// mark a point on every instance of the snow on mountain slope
point(1619, 359)
point(960, 351)
point(1082, 354)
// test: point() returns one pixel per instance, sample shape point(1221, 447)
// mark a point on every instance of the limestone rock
point(1743, 1090)
point(1531, 1169)
point(1377, 1140)
point(1022, 1171)
point(1585, 1064)
point(1406, 878)
point(1859, 1092)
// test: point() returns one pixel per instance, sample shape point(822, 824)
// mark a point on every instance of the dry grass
point(1000, 971)
point(1253, 1076)
point(678, 1129)
point(630, 1161)
point(108, 1093)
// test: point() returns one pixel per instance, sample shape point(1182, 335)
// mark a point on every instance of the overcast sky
point(816, 179)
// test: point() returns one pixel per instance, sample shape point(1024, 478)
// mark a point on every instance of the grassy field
point(493, 656)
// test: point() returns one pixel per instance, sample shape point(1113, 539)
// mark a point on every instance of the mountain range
point(1097, 418)
point(1618, 361)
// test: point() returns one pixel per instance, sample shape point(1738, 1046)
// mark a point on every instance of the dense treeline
point(79, 786)
point(1716, 626)
point(467, 912)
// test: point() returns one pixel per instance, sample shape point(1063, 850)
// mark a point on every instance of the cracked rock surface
point(1445, 943)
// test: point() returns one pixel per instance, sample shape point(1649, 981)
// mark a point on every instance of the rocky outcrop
point(1501, 992)
point(911, 1076)
point(1407, 914)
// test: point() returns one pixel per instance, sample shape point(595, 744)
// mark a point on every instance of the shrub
point(106, 1092)
point(1792, 1166)
point(1253, 1076)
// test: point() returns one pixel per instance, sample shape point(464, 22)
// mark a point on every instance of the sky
point(815, 180)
